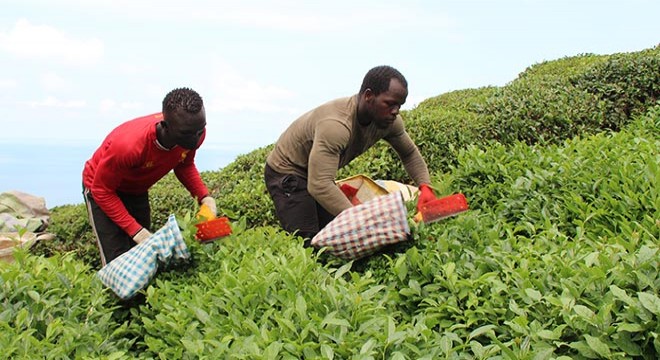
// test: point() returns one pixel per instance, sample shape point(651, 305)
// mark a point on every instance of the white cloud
point(291, 15)
point(42, 42)
point(110, 105)
point(8, 84)
point(107, 105)
point(133, 69)
point(130, 105)
point(234, 92)
point(278, 20)
point(54, 102)
point(330, 17)
point(53, 82)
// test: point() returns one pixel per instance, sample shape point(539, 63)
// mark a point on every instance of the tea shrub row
point(548, 103)
point(558, 257)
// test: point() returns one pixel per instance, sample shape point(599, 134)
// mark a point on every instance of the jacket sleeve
point(329, 141)
point(409, 153)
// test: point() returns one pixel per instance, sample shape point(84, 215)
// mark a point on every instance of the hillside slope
point(548, 103)
point(558, 258)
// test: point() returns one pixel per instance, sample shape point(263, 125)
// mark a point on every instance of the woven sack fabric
point(363, 229)
point(133, 270)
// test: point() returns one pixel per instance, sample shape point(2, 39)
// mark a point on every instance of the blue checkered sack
point(363, 229)
point(132, 271)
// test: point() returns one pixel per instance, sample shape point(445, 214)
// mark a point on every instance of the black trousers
point(110, 238)
point(297, 211)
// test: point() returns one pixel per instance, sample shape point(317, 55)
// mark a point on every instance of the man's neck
point(160, 134)
point(362, 118)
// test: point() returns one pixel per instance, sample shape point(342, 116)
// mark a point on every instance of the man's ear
point(163, 124)
point(368, 94)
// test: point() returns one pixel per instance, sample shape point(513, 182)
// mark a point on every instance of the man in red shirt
point(131, 159)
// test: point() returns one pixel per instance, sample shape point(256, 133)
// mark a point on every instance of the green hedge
point(547, 104)
point(626, 84)
point(55, 308)
point(73, 233)
point(557, 258)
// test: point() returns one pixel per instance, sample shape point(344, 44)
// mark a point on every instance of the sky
point(71, 70)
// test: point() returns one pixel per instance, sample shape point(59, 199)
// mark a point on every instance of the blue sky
point(71, 70)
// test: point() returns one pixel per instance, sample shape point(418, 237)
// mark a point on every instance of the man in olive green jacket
point(300, 171)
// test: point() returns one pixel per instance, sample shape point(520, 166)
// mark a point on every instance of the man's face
point(384, 107)
point(185, 129)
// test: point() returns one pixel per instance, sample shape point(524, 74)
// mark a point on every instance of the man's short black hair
point(378, 79)
point(182, 98)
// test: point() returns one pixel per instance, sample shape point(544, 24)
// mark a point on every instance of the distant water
point(54, 171)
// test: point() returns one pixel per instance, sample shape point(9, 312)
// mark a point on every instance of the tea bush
point(546, 264)
point(557, 258)
point(55, 308)
point(548, 103)
point(626, 84)
point(73, 233)
point(239, 190)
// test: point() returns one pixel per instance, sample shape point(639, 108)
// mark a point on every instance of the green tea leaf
point(327, 352)
point(367, 346)
point(547, 334)
point(202, 315)
point(646, 253)
point(337, 322)
point(584, 312)
point(401, 268)
point(543, 354)
point(34, 295)
point(625, 343)
point(273, 350)
point(301, 307)
point(621, 295)
point(598, 346)
point(650, 301)
point(486, 329)
point(584, 349)
point(534, 294)
point(629, 327)
point(446, 344)
point(117, 355)
point(343, 270)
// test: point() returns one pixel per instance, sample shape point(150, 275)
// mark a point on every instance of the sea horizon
point(54, 171)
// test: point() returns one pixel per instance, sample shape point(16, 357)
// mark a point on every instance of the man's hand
point(210, 203)
point(425, 195)
point(141, 235)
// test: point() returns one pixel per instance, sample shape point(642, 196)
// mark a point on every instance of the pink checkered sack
point(363, 229)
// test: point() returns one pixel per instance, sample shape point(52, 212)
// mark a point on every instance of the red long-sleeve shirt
point(130, 161)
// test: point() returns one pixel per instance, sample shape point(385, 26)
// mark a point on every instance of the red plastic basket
point(442, 208)
point(213, 229)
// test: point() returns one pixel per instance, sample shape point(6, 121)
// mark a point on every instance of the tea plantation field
point(558, 257)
